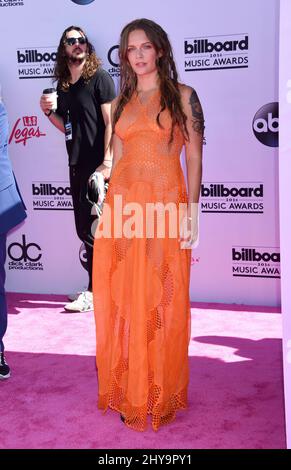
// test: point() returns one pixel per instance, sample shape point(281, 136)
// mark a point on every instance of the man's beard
point(75, 60)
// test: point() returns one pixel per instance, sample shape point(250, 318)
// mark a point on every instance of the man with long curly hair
point(85, 92)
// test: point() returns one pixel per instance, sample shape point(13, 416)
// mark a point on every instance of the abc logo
point(25, 251)
point(266, 124)
point(82, 2)
point(112, 56)
point(83, 256)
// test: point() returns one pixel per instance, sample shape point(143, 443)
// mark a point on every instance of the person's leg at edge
point(4, 368)
point(3, 304)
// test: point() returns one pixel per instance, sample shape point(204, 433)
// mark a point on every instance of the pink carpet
point(235, 392)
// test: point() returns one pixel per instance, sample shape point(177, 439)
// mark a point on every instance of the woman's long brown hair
point(62, 72)
point(170, 94)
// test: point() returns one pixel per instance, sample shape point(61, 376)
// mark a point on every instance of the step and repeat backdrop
point(284, 192)
point(226, 50)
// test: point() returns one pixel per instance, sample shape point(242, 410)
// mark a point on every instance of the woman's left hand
point(189, 227)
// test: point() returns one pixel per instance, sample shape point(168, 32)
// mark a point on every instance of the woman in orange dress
point(140, 274)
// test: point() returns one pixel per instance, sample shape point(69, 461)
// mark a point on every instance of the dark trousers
point(3, 305)
point(82, 210)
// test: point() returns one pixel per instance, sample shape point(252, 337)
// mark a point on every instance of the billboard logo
point(32, 55)
point(259, 262)
point(36, 63)
point(266, 124)
point(216, 52)
point(232, 197)
point(54, 195)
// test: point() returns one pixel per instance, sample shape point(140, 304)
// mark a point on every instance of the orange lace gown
point(141, 285)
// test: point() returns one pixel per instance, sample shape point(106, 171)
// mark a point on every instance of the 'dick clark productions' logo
point(51, 196)
point(266, 124)
point(24, 256)
point(216, 52)
point(256, 261)
point(113, 59)
point(25, 129)
point(232, 197)
point(11, 3)
point(36, 62)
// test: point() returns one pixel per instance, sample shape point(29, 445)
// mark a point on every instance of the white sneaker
point(75, 295)
point(84, 303)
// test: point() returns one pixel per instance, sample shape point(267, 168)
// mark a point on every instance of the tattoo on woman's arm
point(197, 114)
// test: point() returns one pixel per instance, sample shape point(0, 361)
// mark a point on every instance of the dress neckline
point(155, 92)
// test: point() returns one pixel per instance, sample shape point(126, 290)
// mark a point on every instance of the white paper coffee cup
point(52, 94)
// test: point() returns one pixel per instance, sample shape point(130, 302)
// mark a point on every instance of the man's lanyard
point(68, 127)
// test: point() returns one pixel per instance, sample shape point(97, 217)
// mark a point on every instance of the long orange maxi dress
point(141, 283)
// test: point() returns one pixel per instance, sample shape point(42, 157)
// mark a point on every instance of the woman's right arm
point(117, 146)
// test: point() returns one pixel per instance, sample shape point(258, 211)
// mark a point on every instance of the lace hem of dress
point(136, 417)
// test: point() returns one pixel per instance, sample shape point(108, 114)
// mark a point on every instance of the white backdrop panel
point(233, 156)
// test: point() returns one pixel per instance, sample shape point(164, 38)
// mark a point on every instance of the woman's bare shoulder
point(187, 92)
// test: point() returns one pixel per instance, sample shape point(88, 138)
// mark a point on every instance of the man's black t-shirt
point(81, 105)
